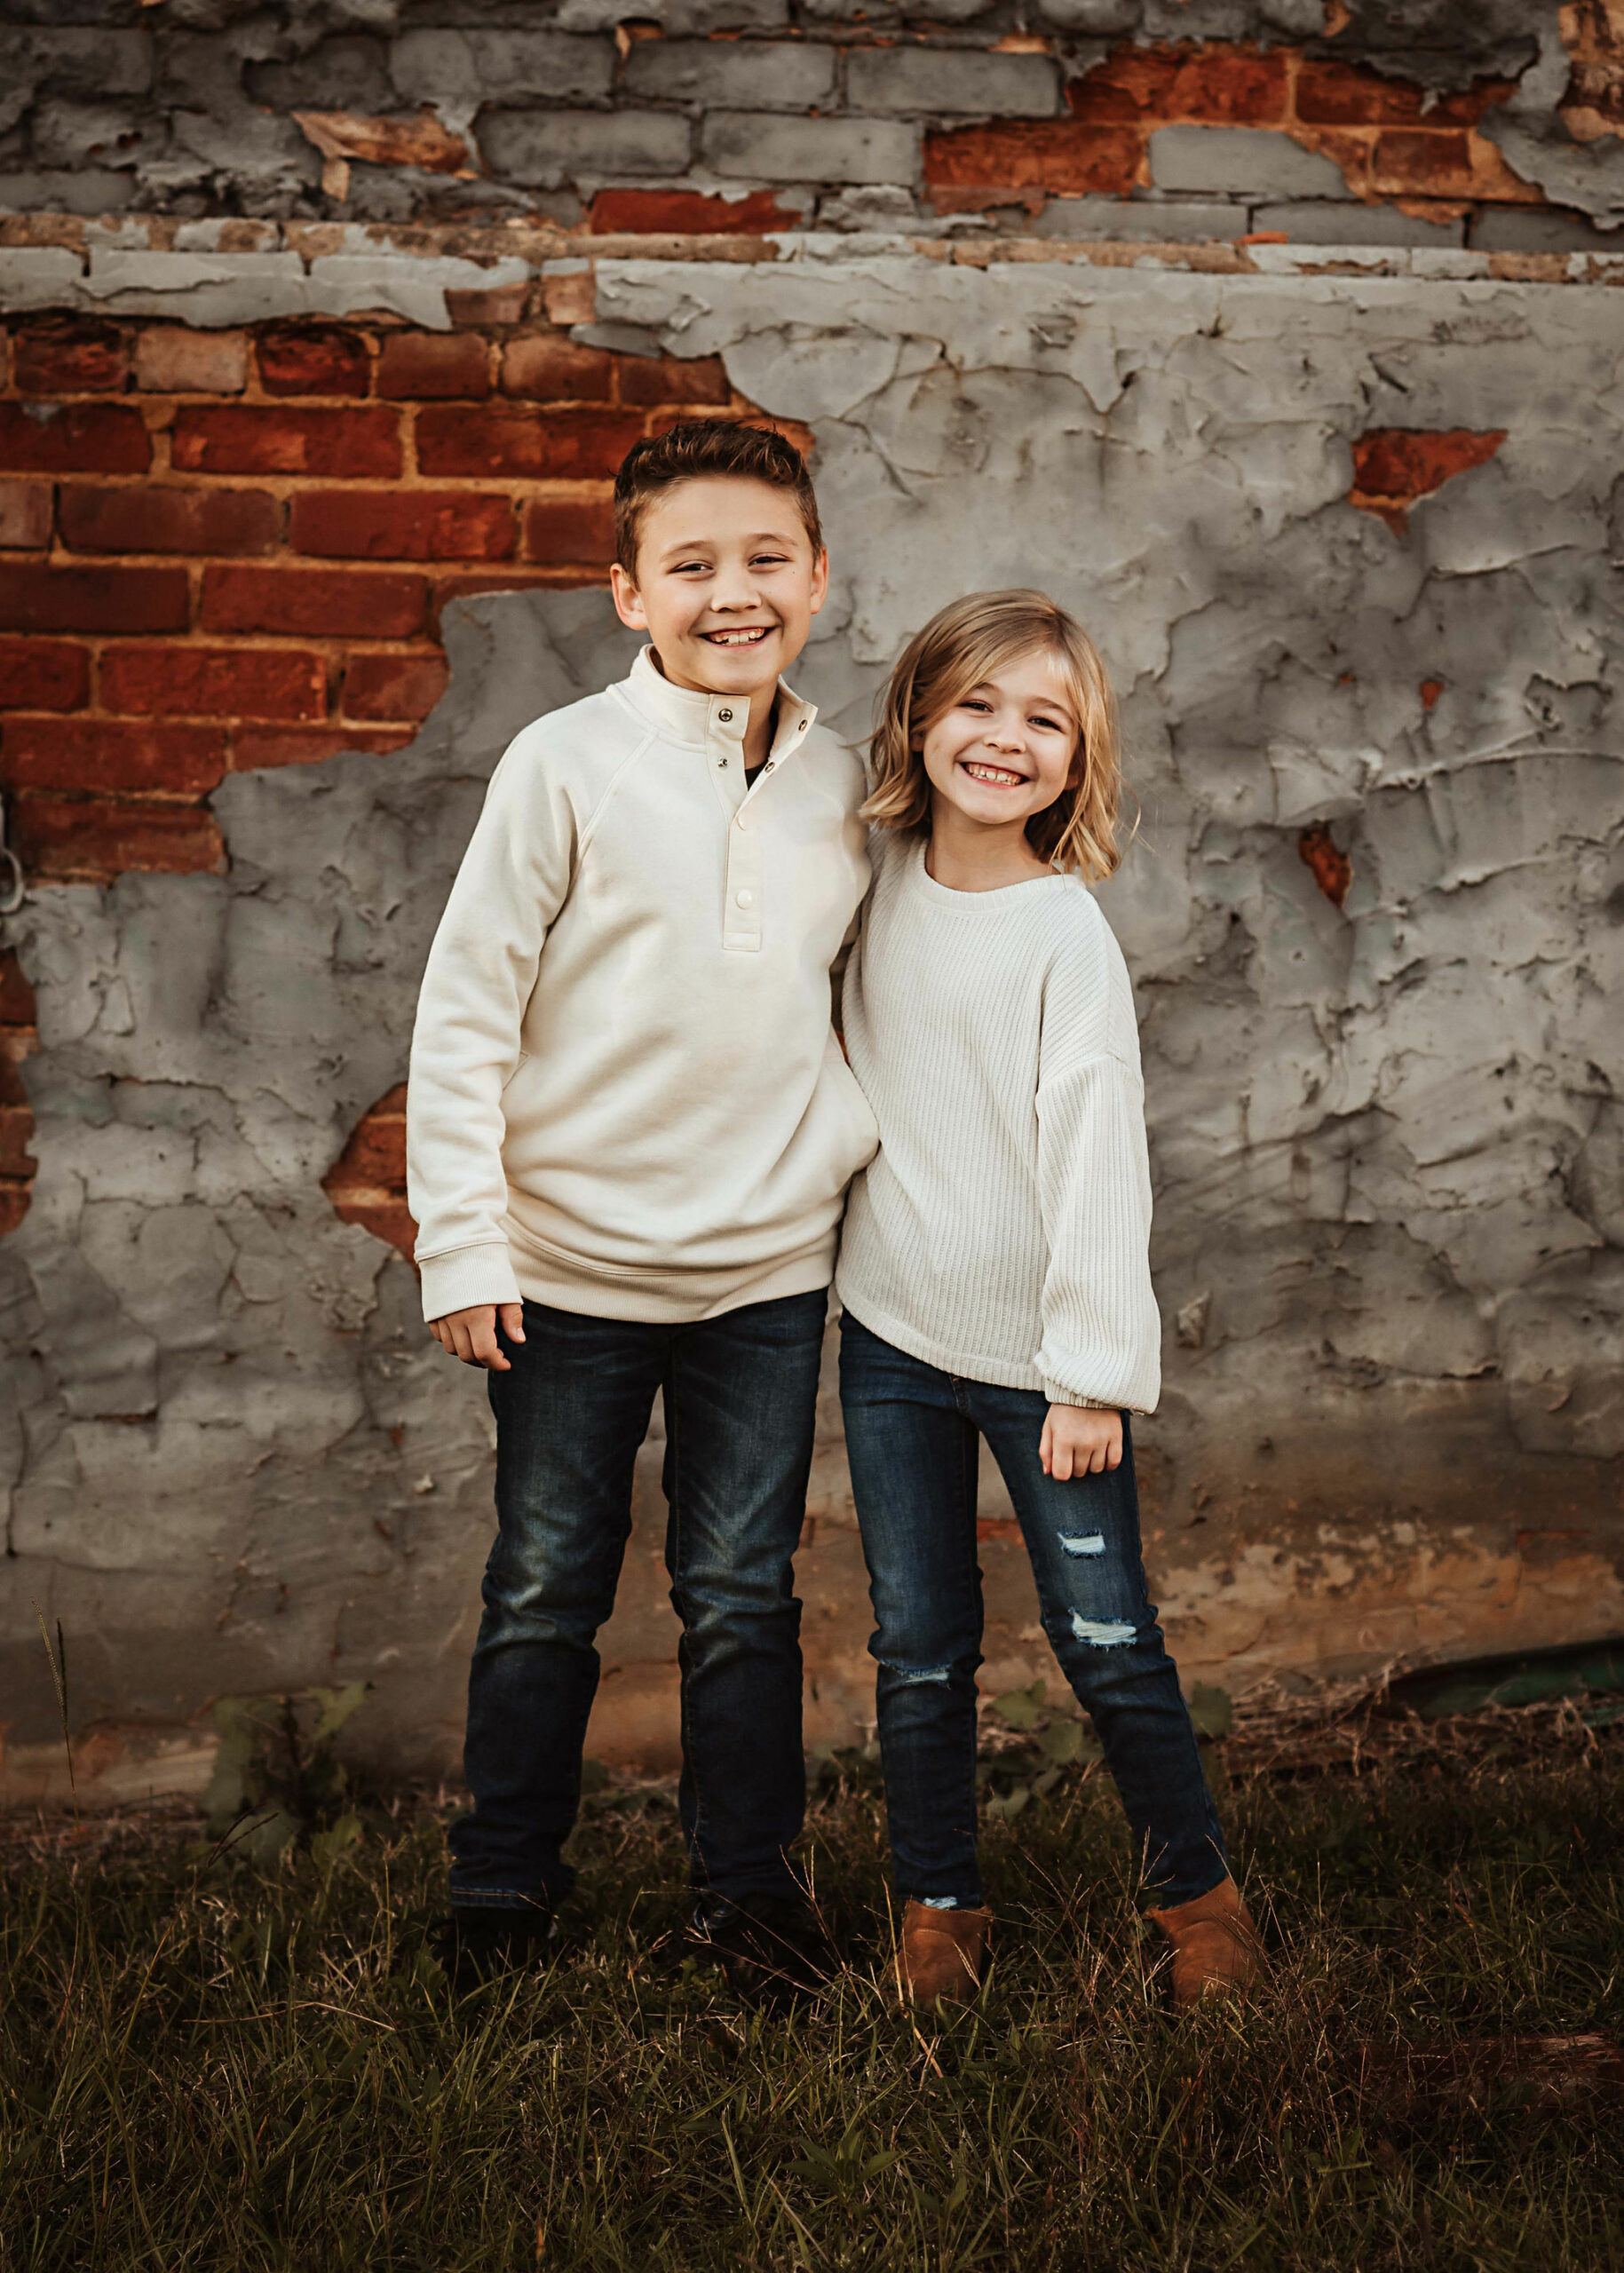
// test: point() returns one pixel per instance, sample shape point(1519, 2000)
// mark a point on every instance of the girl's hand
point(1077, 1440)
point(471, 1334)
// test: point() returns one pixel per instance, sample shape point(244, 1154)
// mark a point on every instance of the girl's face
point(1008, 748)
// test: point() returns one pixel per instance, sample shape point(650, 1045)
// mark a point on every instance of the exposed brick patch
point(1430, 689)
point(686, 212)
point(72, 438)
point(25, 515)
point(367, 1183)
point(578, 530)
point(253, 747)
point(154, 519)
point(1396, 466)
point(69, 355)
point(238, 437)
point(43, 675)
point(1220, 85)
point(501, 438)
point(393, 686)
point(93, 599)
point(170, 359)
point(79, 840)
point(310, 602)
point(116, 756)
point(282, 683)
point(312, 358)
point(667, 379)
point(1333, 871)
point(1068, 157)
point(402, 525)
point(430, 365)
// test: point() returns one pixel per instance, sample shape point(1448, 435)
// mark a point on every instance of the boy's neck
point(961, 857)
point(763, 701)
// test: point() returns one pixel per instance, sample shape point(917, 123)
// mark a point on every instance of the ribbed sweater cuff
point(465, 1276)
point(1057, 1393)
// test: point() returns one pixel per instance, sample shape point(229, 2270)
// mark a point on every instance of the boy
point(630, 1133)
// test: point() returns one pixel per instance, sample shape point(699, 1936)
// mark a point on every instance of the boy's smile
point(727, 584)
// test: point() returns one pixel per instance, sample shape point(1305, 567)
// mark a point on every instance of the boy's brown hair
point(696, 449)
point(960, 649)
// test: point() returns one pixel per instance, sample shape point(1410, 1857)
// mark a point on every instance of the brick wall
point(1431, 121)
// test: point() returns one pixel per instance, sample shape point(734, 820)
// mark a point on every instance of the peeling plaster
point(1385, 1135)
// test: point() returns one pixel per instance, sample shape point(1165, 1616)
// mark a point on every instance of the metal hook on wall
point(13, 886)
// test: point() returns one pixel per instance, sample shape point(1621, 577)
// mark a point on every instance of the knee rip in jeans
point(1073, 1542)
point(914, 1675)
point(1103, 1633)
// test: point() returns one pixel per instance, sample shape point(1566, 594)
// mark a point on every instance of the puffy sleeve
point(465, 1043)
point(1101, 1330)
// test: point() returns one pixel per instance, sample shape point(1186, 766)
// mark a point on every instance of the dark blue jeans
point(913, 1436)
point(740, 1396)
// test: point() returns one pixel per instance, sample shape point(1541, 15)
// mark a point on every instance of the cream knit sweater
point(626, 1096)
point(1003, 1232)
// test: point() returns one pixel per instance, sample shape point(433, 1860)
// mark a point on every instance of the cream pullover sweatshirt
point(1003, 1233)
point(626, 1096)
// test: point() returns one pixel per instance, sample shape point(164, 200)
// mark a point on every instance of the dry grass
point(209, 2065)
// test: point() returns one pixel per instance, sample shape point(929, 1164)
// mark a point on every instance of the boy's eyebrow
point(703, 544)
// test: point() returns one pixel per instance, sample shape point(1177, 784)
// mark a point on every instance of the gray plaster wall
point(1387, 1137)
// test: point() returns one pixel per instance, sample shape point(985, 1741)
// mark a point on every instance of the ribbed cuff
point(466, 1276)
point(1057, 1393)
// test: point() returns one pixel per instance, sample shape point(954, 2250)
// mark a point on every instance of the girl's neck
point(961, 857)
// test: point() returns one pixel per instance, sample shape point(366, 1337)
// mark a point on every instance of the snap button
point(726, 717)
point(801, 729)
point(745, 898)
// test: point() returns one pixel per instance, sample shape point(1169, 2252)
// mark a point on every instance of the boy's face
point(727, 583)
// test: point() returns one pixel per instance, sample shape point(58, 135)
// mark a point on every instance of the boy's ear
point(628, 601)
point(820, 578)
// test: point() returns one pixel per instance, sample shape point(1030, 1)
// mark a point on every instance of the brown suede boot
point(939, 1962)
point(1215, 1949)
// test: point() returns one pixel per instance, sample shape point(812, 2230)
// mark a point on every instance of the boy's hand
point(1077, 1440)
point(471, 1334)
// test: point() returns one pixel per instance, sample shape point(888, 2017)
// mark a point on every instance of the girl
point(994, 1273)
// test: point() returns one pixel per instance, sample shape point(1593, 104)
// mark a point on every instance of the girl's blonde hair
point(961, 647)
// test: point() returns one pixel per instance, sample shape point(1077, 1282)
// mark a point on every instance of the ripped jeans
point(912, 1438)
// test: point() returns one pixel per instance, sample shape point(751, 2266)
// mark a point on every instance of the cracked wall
point(1373, 914)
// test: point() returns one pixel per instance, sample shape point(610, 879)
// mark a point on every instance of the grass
point(219, 2066)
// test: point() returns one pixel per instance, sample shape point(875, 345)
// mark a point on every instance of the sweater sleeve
point(465, 1043)
point(1101, 1330)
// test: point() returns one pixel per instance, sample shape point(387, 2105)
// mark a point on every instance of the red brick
point(687, 212)
point(149, 519)
point(545, 367)
point(16, 995)
point(1343, 94)
point(16, 1133)
point(93, 840)
point(25, 516)
point(1217, 83)
point(402, 525)
point(14, 1207)
point(215, 682)
point(43, 675)
point(67, 355)
point(72, 438)
point(502, 438)
point(33, 599)
point(425, 366)
point(115, 755)
point(256, 745)
point(1069, 156)
point(1395, 466)
point(393, 686)
point(312, 358)
point(1414, 161)
point(306, 602)
point(237, 438)
point(666, 378)
point(570, 529)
